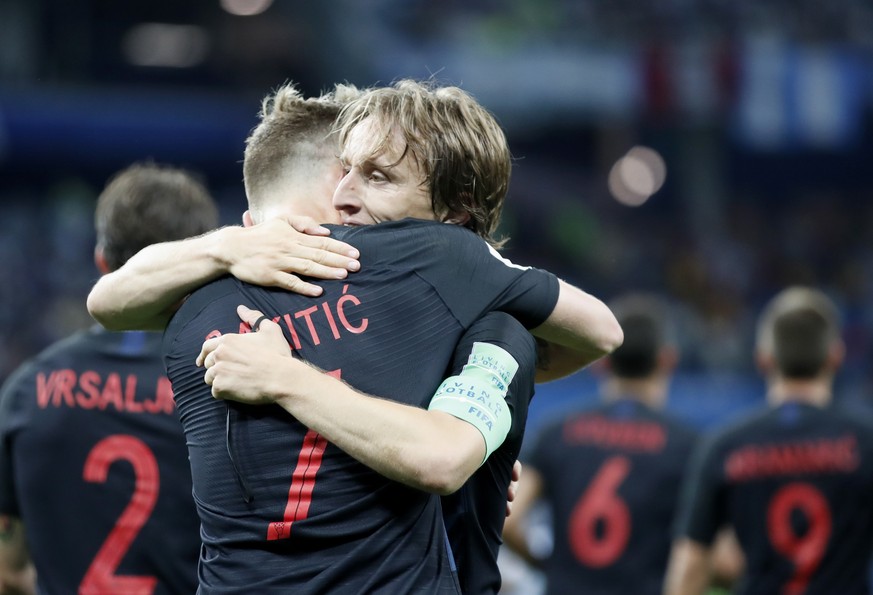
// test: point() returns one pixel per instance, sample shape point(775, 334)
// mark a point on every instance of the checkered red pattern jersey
point(796, 484)
point(93, 460)
point(611, 474)
point(280, 507)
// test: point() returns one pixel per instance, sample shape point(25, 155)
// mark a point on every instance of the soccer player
point(795, 481)
point(431, 252)
point(611, 473)
point(399, 441)
point(95, 487)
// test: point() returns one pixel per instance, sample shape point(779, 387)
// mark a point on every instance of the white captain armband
point(478, 394)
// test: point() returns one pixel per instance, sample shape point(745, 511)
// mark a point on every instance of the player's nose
point(346, 197)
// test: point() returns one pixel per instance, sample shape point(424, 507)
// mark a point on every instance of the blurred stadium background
point(713, 151)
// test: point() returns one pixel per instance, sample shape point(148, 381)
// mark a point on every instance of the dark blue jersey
point(93, 460)
point(611, 475)
point(282, 508)
point(475, 513)
point(796, 484)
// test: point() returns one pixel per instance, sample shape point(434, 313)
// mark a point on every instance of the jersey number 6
point(600, 525)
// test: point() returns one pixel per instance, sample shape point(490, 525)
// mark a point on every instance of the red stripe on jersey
point(302, 486)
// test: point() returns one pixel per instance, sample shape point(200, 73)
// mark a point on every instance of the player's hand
point(513, 486)
point(250, 368)
point(277, 253)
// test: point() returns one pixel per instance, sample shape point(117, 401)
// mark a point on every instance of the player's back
point(611, 475)
point(95, 464)
point(797, 485)
point(280, 506)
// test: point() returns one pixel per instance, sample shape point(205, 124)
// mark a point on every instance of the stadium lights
point(245, 8)
point(165, 45)
point(637, 176)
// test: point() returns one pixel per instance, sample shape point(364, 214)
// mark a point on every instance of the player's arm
point(700, 517)
point(435, 450)
point(529, 490)
point(580, 330)
point(146, 291)
point(728, 561)
point(688, 572)
point(17, 574)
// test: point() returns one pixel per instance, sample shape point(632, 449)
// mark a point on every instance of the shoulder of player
point(682, 436)
point(748, 427)
point(552, 425)
point(12, 386)
point(200, 299)
point(20, 384)
point(410, 234)
point(58, 353)
point(858, 419)
point(678, 426)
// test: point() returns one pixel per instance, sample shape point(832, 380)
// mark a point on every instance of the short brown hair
point(293, 136)
point(458, 144)
point(146, 204)
point(798, 327)
point(644, 319)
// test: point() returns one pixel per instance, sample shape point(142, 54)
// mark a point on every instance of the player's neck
point(652, 392)
point(812, 392)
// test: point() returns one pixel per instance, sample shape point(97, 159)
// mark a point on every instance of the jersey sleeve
point(12, 419)
point(507, 333)
point(468, 274)
point(701, 506)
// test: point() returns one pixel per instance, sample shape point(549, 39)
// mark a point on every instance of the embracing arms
point(145, 292)
point(580, 330)
point(434, 449)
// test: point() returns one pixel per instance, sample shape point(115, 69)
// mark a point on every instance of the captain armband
point(478, 394)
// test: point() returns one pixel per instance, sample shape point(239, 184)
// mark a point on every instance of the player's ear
point(247, 219)
point(765, 362)
point(836, 354)
point(100, 260)
point(668, 358)
point(601, 367)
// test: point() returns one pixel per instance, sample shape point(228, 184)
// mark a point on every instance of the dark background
point(758, 110)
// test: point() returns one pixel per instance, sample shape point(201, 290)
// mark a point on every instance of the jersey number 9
point(805, 551)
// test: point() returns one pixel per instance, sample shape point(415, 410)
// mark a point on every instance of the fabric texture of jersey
point(475, 514)
point(796, 483)
point(93, 459)
point(611, 475)
point(279, 506)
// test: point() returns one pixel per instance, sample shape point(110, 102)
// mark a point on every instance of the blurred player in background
point(611, 474)
point(794, 482)
point(95, 485)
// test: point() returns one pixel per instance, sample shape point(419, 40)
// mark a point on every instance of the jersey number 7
point(302, 482)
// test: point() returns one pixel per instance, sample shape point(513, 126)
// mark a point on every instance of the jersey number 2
point(600, 524)
point(101, 577)
point(805, 551)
